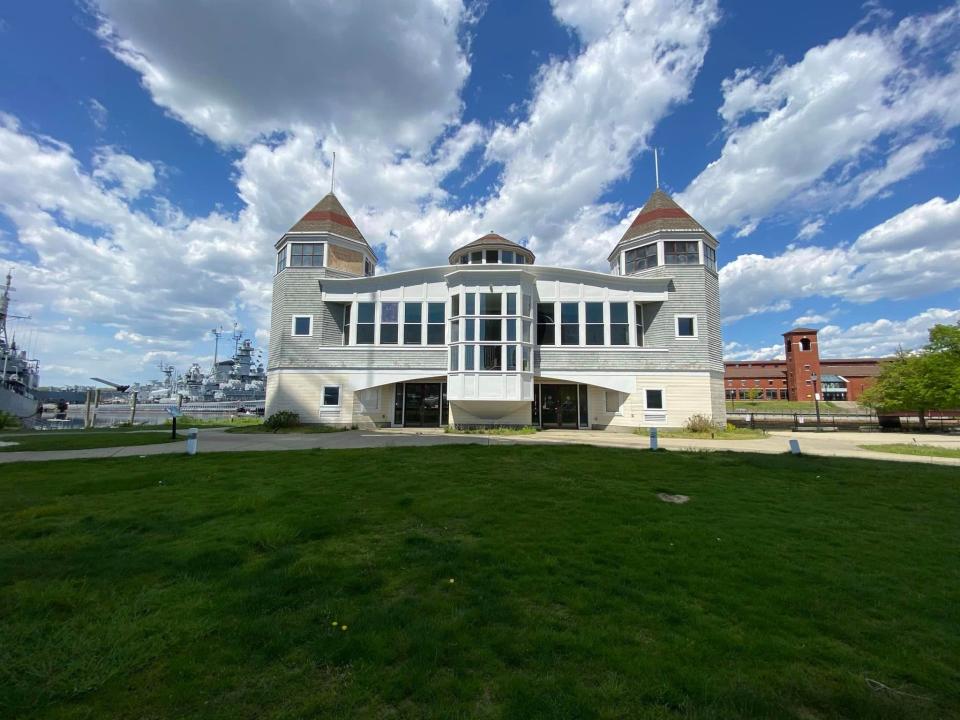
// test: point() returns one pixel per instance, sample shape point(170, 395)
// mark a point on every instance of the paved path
point(838, 444)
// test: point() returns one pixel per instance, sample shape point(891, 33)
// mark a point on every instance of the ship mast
point(4, 306)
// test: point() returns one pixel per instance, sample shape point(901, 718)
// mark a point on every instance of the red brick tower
point(803, 360)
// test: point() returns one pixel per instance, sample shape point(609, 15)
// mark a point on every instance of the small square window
point(331, 396)
point(686, 326)
point(301, 325)
point(654, 399)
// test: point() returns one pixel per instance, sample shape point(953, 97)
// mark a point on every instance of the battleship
point(20, 374)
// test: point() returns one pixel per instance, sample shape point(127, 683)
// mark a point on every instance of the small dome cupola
point(492, 249)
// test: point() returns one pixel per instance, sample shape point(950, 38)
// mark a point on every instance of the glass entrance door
point(558, 406)
point(423, 404)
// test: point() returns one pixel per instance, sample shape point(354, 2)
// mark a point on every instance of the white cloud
point(127, 175)
point(813, 319)
point(911, 254)
point(733, 351)
point(811, 229)
point(98, 113)
point(380, 68)
point(811, 134)
point(881, 338)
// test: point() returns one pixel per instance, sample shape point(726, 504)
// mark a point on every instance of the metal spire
point(333, 171)
point(656, 167)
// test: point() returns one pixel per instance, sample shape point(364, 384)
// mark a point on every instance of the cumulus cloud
point(810, 229)
point(125, 174)
point(837, 127)
point(909, 255)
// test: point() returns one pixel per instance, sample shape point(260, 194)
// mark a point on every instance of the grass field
point(915, 449)
point(259, 427)
point(318, 584)
point(787, 406)
point(727, 433)
point(82, 439)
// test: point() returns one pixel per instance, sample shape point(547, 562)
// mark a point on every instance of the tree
point(922, 381)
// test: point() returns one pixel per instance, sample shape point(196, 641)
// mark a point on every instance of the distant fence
point(937, 420)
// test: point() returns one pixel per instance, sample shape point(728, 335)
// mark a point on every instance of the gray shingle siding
point(366, 357)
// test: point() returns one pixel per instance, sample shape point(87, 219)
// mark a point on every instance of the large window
point(681, 253)
point(365, 322)
point(490, 304)
point(594, 318)
point(281, 259)
point(306, 255)
point(640, 258)
point(412, 329)
point(619, 324)
point(709, 257)
point(302, 324)
point(492, 357)
point(569, 323)
point(435, 323)
point(389, 323)
point(546, 329)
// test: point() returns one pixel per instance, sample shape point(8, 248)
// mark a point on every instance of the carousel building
point(493, 338)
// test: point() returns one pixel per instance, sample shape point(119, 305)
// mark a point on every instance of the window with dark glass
point(654, 399)
point(709, 257)
point(526, 359)
point(492, 257)
point(686, 326)
point(469, 351)
point(471, 330)
point(412, 329)
point(584, 415)
point(464, 260)
point(511, 357)
point(569, 323)
point(476, 257)
point(368, 269)
point(454, 331)
point(511, 303)
point(346, 324)
point(331, 395)
point(492, 357)
point(520, 259)
point(306, 255)
point(435, 323)
point(471, 304)
point(640, 258)
point(619, 324)
point(594, 318)
point(681, 253)
point(389, 323)
point(511, 329)
point(365, 323)
point(281, 259)
point(638, 309)
point(490, 330)
point(490, 304)
point(301, 325)
point(454, 305)
point(455, 357)
point(508, 257)
point(546, 330)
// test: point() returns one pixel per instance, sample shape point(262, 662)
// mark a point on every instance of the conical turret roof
point(329, 215)
point(493, 240)
point(661, 213)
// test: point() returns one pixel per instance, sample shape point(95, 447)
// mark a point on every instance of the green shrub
point(699, 424)
point(282, 419)
point(8, 421)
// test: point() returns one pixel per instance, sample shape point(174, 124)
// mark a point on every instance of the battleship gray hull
point(18, 405)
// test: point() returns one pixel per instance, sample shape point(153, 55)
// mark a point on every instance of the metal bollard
point(653, 438)
point(192, 441)
point(795, 447)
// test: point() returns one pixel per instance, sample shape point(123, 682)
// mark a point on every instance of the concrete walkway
point(836, 444)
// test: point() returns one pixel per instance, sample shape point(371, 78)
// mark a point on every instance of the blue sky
point(152, 151)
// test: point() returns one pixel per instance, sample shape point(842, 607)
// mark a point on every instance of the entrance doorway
point(421, 405)
point(559, 406)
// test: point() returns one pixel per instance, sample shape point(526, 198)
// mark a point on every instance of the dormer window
point(306, 255)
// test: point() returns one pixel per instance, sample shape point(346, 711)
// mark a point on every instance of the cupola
point(492, 249)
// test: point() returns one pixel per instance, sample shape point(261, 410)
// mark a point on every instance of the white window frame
point(304, 241)
point(606, 402)
point(293, 325)
point(676, 327)
point(663, 397)
point(323, 397)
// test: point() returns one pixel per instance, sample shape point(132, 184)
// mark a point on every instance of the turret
point(492, 249)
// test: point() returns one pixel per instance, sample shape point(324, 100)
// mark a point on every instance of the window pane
point(640, 258)
point(490, 304)
point(619, 334)
point(520, 259)
point(301, 326)
point(412, 312)
point(464, 259)
point(492, 257)
point(365, 334)
point(476, 257)
point(454, 358)
point(454, 305)
point(511, 357)
point(511, 303)
point(331, 395)
point(490, 329)
point(594, 334)
point(471, 330)
point(492, 357)
point(618, 312)
point(655, 399)
point(469, 351)
point(388, 334)
point(681, 253)
point(471, 304)
point(508, 257)
point(435, 312)
point(281, 259)
point(435, 334)
point(389, 312)
point(365, 312)
point(454, 331)
point(685, 326)
point(594, 312)
point(412, 334)
point(569, 334)
point(511, 329)
point(569, 323)
point(570, 312)
point(526, 359)
point(545, 324)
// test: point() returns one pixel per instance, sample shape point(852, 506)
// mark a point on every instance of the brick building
point(800, 374)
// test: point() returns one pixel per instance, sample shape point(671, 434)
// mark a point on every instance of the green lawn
point(217, 586)
point(82, 439)
point(912, 449)
point(728, 433)
point(787, 406)
point(259, 427)
point(187, 421)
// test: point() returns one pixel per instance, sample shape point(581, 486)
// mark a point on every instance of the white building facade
point(492, 338)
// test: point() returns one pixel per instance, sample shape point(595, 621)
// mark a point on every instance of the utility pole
point(816, 398)
point(217, 332)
